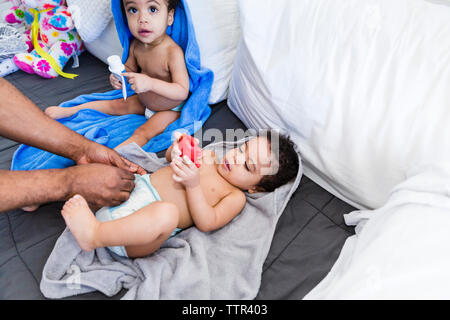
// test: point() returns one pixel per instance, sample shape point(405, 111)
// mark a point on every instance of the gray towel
point(223, 264)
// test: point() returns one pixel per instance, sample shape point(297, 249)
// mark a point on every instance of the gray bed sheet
point(308, 239)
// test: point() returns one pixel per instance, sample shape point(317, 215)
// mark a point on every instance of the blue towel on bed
point(112, 130)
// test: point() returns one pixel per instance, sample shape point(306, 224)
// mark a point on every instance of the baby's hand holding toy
point(188, 146)
point(186, 156)
point(185, 172)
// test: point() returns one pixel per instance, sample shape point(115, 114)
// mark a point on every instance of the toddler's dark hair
point(172, 4)
point(288, 161)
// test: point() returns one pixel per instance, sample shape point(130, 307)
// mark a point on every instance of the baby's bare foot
point(81, 222)
point(58, 112)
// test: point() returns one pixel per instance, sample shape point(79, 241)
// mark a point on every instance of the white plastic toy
point(116, 67)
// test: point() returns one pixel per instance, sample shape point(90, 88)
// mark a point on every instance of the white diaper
point(149, 113)
point(143, 194)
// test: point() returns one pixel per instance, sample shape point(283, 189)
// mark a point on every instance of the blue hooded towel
point(112, 130)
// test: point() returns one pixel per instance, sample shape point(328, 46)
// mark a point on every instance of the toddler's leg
point(116, 107)
point(154, 126)
point(142, 232)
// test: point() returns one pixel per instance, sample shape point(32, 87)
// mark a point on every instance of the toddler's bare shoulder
point(174, 50)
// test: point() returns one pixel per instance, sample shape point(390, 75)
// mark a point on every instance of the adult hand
point(101, 185)
point(97, 153)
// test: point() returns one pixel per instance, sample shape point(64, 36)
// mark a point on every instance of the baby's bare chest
point(213, 186)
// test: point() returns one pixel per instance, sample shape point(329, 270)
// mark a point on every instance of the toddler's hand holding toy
point(115, 83)
point(139, 82)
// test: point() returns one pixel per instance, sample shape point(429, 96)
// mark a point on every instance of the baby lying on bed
point(181, 195)
point(162, 85)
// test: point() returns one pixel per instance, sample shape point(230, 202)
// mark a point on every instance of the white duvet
point(401, 250)
point(363, 87)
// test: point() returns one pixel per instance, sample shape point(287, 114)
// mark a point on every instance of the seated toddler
point(156, 71)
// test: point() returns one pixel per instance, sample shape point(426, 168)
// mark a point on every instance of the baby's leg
point(154, 126)
point(117, 107)
point(141, 233)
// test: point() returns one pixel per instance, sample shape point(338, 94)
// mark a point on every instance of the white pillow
point(90, 17)
point(107, 44)
point(217, 30)
point(362, 86)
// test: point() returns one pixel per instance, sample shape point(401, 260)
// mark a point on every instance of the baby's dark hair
point(172, 4)
point(287, 157)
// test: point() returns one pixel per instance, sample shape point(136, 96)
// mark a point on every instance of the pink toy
point(189, 147)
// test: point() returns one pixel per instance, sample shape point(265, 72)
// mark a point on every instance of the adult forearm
point(21, 120)
point(24, 188)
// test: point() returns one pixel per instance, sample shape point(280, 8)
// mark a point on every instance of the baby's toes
point(69, 204)
point(79, 201)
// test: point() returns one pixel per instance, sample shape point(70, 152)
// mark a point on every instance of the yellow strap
point(40, 51)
